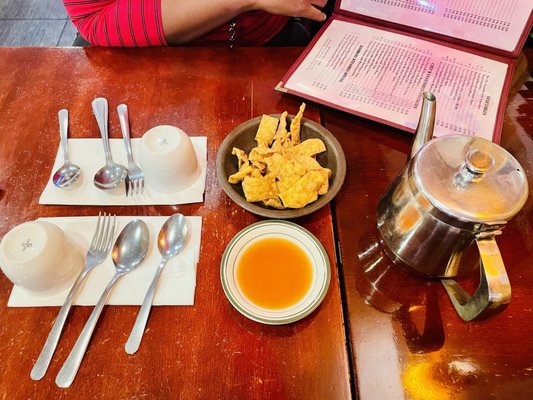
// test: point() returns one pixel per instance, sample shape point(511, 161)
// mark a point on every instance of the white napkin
point(88, 154)
point(176, 285)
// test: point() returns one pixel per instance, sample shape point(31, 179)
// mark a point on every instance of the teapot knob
point(478, 161)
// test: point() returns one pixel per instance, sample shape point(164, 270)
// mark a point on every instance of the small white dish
point(39, 258)
point(306, 241)
point(168, 159)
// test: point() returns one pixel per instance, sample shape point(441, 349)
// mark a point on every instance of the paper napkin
point(176, 285)
point(88, 154)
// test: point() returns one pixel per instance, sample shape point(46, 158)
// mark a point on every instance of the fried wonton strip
point(274, 163)
point(238, 176)
point(241, 156)
point(274, 203)
point(257, 159)
point(325, 181)
point(282, 127)
point(309, 162)
point(256, 173)
point(285, 183)
point(304, 191)
point(281, 134)
point(259, 188)
point(295, 126)
point(308, 147)
point(266, 131)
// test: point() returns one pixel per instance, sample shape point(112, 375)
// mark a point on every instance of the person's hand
point(309, 9)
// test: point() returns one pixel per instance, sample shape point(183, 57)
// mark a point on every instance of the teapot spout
point(426, 123)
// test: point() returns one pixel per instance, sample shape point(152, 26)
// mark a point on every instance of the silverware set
point(128, 252)
point(97, 253)
point(112, 174)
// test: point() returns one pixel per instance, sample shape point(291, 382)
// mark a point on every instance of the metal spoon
point(128, 253)
point(170, 242)
point(69, 172)
point(111, 174)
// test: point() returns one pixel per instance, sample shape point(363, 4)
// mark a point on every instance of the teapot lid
point(470, 178)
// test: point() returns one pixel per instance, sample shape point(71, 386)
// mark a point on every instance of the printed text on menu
point(494, 23)
point(383, 74)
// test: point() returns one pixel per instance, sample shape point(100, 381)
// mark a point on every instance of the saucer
point(299, 236)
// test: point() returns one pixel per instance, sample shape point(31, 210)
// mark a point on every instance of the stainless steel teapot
point(454, 191)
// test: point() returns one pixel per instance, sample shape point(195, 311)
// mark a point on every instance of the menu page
point(383, 74)
point(495, 23)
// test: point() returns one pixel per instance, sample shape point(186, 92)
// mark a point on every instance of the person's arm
point(161, 22)
point(186, 20)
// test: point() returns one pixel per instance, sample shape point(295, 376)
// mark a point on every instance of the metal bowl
point(243, 137)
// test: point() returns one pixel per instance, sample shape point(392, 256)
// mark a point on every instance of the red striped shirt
point(139, 23)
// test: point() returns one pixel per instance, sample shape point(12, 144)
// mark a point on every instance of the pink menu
point(379, 71)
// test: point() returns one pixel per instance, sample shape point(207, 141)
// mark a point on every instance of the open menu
point(374, 58)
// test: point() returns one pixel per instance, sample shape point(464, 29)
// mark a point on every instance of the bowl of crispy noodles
point(281, 166)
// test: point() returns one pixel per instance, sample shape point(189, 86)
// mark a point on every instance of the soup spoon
point(68, 173)
point(111, 174)
point(170, 242)
point(128, 253)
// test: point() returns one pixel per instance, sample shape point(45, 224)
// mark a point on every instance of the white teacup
point(168, 159)
point(37, 257)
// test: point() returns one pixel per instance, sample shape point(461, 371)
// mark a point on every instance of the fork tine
point(141, 184)
point(103, 234)
point(109, 243)
point(128, 188)
point(95, 235)
point(98, 244)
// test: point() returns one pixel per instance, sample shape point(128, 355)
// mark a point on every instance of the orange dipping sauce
point(274, 273)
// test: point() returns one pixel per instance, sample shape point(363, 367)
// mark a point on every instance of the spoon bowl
point(172, 236)
point(110, 176)
point(131, 246)
point(171, 239)
point(68, 173)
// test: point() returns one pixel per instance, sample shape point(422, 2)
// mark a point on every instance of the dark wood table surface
point(406, 339)
point(208, 350)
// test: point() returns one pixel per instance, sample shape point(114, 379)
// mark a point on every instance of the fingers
point(313, 10)
point(313, 13)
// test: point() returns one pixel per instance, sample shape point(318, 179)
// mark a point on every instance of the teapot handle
point(494, 290)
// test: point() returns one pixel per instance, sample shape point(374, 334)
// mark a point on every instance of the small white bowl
point(297, 235)
point(37, 257)
point(168, 160)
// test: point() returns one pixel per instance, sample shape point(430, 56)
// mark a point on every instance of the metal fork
point(97, 253)
point(135, 178)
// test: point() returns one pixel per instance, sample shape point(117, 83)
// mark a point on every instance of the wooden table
point(406, 339)
point(206, 351)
